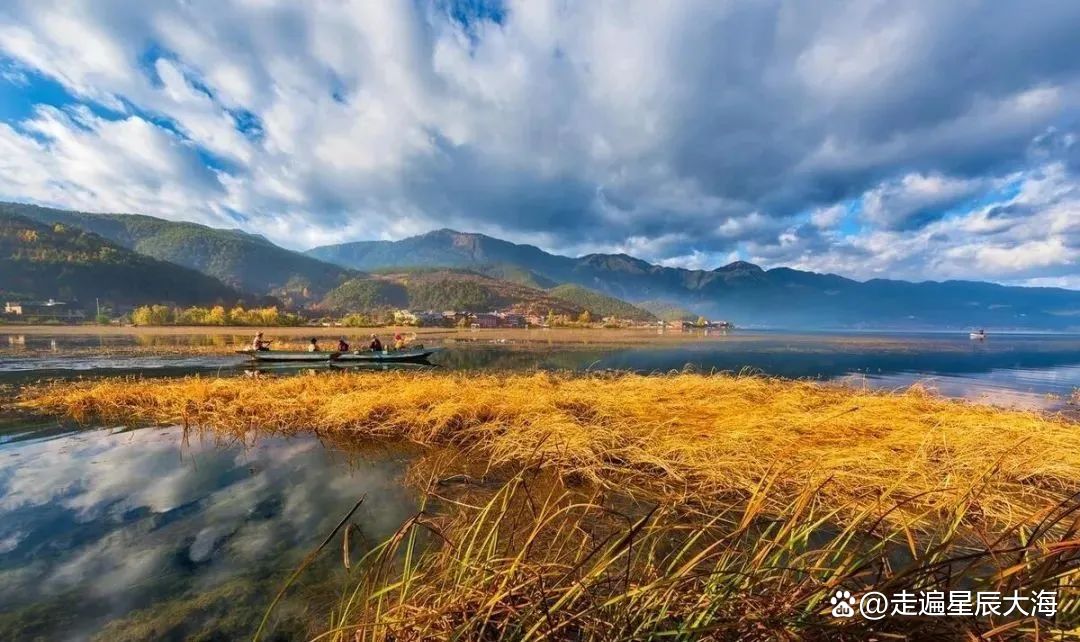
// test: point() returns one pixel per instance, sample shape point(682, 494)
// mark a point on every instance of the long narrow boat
point(286, 356)
point(386, 356)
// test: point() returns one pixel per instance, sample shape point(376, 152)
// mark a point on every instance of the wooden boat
point(386, 356)
point(286, 356)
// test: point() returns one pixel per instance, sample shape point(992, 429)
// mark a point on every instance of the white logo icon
point(842, 603)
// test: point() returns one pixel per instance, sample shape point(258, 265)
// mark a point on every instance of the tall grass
point(664, 507)
point(702, 439)
point(539, 561)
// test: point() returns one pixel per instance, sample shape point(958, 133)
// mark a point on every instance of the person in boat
point(314, 345)
point(375, 345)
point(399, 342)
point(258, 344)
point(342, 345)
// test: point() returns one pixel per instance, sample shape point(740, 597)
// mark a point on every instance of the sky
point(908, 139)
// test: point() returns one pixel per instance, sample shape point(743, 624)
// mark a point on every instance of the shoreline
point(537, 336)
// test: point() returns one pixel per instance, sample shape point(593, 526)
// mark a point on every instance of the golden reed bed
point(702, 439)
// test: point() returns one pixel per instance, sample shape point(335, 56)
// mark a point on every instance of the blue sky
point(917, 140)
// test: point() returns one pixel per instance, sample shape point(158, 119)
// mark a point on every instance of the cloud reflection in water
point(124, 519)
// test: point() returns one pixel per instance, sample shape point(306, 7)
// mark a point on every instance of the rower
point(258, 345)
point(342, 345)
point(399, 342)
point(314, 345)
point(375, 345)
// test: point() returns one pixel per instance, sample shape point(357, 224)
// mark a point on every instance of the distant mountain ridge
point(741, 292)
point(440, 289)
point(600, 305)
point(245, 261)
point(39, 261)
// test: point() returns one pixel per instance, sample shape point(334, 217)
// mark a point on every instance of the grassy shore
point(615, 506)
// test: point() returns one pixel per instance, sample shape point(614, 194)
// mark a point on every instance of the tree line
point(217, 315)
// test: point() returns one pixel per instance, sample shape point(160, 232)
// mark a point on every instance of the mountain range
point(741, 292)
point(247, 262)
point(336, 277)
point(39, 261)
point(449, 289)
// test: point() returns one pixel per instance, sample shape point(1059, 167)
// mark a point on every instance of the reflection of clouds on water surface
point(1046, 389)
point(131, 518)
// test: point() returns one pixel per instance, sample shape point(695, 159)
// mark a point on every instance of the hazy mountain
point(668, 311)
point(443, 289)
point(248, 262)
point(39, 261)
point(740, 292)
point(600, 305)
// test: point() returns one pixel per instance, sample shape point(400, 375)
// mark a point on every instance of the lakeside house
point(51, 310)
point(452, 318)
point(694, 325)
point(484, 320)
point(509, 319)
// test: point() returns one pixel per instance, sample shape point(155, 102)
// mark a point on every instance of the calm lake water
point(1010, 369)
point(149, 534)
point(146, 535)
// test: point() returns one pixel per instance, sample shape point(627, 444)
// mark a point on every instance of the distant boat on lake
point(980, 335)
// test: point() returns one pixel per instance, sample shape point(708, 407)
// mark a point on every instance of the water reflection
point(101, 526)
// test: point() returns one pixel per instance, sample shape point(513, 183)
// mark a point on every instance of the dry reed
point(537, 561)
point(701, 439)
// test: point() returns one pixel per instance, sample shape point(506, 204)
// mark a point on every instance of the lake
point(152, 533)
point(1009, 369)
point(168, 537)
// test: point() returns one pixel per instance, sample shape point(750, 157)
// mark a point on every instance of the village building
point(429, 318)
point(485, 320)
point(511, 320)
point(452, 317)
point(51, 310)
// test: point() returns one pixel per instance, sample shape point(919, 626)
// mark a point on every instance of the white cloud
point(916, 199)
point(826, 217)
point(679, 130)
point(94, 163)
point(999, 260)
